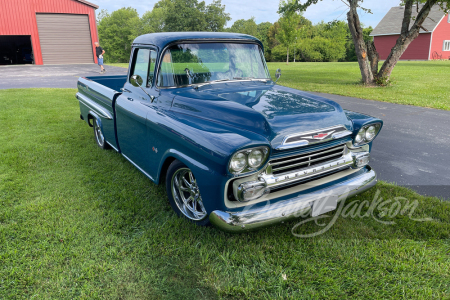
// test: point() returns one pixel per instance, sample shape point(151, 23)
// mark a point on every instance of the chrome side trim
point(112, 146)
point(252, 218)
point(139, 168)
point(289, 145)
point(94, 106)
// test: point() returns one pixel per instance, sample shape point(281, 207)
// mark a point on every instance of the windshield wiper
point(209, 82)
point(243, 78)
point(251, 78)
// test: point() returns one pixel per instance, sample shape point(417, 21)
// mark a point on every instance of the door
point(65, 38)
point(132, 108)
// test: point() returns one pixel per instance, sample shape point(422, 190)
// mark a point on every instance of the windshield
point(185, 64)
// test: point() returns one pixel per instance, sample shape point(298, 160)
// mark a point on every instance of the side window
point(166, 70)
point(141, 64)
point(151, 72)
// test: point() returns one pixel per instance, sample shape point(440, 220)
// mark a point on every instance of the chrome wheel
point(186, 194)
point(98, 134)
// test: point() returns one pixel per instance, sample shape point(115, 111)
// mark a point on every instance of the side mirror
point(278, 74)
point(136, 80)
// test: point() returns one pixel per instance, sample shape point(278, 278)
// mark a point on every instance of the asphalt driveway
point(413, 149)
point(50, 76)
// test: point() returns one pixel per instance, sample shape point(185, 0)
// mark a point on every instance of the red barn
point(432, 43)
point(47, 31)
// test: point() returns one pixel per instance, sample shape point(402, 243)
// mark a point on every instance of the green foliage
point(263, 35)
point(383, 81)
point(245, 26)
point(321, 42)
point(289, 29)
point(117, 31)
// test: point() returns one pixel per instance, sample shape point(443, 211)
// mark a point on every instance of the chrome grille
point(305, 160)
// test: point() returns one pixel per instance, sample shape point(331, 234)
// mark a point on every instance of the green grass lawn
point(80, 222)
point(419, 83)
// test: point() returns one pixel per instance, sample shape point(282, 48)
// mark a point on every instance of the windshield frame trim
point(202, 41)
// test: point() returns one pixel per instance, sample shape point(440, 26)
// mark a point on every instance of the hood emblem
point(318, 136)
point(313, 137)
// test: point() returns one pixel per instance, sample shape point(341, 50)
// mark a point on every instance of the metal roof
point(392, 21)
point(88, 3)
point(162, 39)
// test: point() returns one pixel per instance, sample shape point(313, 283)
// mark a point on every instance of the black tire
point(184, 195)
point(98, 135)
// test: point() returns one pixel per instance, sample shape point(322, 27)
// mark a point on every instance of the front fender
point(359, 120)
point(210, 182)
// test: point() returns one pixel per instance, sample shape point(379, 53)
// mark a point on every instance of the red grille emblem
point(321, 135)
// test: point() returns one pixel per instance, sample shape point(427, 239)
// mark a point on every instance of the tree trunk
point(287, 59)
point(406, 37)
point(360, 46)
point(374, 57)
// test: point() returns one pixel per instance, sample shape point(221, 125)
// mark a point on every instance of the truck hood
point(270, 110)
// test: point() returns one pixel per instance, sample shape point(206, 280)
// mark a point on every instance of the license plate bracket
point(324, 205)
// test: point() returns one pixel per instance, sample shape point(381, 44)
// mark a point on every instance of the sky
point(266, 10)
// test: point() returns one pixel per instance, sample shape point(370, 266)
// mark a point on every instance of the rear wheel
point(184, 194)
point(98, 135)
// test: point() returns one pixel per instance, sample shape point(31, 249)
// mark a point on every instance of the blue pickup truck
point(200, 113)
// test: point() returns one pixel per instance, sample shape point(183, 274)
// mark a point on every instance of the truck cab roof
point(162, 39)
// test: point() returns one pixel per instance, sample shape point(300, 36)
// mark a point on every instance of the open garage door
point(65, 38)
point(15, 49)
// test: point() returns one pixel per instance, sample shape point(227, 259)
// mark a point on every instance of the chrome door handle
point(130, 99)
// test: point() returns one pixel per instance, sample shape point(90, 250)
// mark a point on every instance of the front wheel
point(184, 194)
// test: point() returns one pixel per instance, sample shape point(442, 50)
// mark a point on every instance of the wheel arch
point(170, 156)
point(91, 116)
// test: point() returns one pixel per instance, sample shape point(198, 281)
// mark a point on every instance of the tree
point(215, 16)
point(245, 26)
point(186, 15)
point(154, 20)
point(350, 47)
point(289, 23)
point(272, 37)
point(262, 33)
point(117, 31)
point(366, 52)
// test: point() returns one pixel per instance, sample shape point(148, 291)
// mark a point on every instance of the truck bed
point(97, 95)
point(114, 82)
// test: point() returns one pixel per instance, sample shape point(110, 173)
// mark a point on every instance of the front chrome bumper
point(255, 217)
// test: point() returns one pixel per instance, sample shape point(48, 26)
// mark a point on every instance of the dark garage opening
point(16, 49)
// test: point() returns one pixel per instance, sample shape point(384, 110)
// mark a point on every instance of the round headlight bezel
point(362, 133)
point(249, 167)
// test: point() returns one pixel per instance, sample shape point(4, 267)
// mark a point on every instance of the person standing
point(99, 52)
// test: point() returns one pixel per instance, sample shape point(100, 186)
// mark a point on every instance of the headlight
point(360, 136)
point(366, 134)
point(248, 160)
point(238, 162)
point(255, 158)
